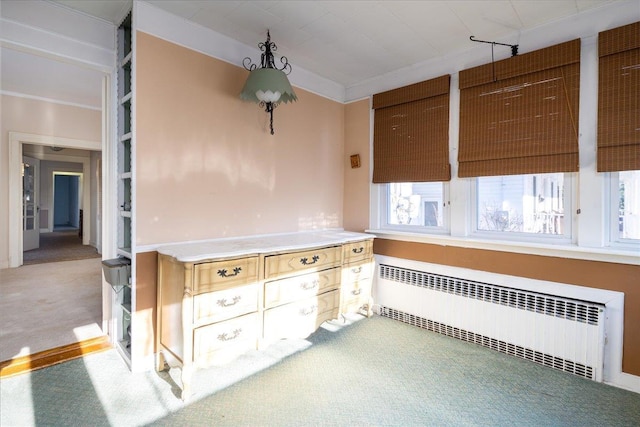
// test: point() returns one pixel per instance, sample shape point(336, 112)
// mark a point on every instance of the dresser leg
point(370, 307)
point(187, 370)
point(160, 362)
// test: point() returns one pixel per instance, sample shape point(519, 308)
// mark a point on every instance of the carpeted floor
point(48, 305)
point(59, 246)
point(371, 372)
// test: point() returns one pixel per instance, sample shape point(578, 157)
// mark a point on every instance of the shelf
point(125, 214)
point(126, 98)
point(126, 60)
point(125, 252)
point(125, 345)
point(125, 175)
point(126, 137)
point(126, 307)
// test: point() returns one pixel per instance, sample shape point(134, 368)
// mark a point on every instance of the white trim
point(159, 23)
point(49, 100)
point(109, 200)
point(614, 301)
point(550, 250)
point(24, 38)
point(16, 139)
point(590, 201)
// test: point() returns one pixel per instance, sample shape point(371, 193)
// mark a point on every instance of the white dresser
point(219, 299)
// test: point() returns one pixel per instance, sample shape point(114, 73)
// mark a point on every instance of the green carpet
point(372, 372)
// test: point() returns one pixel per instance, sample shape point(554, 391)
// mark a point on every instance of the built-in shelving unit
point(123, 302)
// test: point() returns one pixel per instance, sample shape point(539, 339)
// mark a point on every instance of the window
point(415, 204)
point(535, 204)
point(625, 202)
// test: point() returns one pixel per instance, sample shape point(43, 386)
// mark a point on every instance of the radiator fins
point(522, 300)
point(494, 344)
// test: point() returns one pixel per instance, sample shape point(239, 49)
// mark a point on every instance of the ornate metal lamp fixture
point(268, 85)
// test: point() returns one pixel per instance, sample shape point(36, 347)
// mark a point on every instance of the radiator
point(554, 331)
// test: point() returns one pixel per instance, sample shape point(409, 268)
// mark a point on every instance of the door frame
point(16, 139)
point(35, 233)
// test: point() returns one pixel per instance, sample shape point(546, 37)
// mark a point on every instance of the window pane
point(629, 205)
point(415, 203)
point(522, 203)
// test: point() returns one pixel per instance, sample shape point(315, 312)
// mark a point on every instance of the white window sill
point(614, 255)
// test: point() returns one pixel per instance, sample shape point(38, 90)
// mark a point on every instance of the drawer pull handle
point(305, 261)
point(223, 272)
point(308, 311)
point(356, 291)
point(358, 250)
point(223, 302)
point(227, 337)
point(356, 270)
point(306, 285)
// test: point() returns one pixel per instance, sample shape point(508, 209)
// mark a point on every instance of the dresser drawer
point(360, 290)
point(301, 318)
point(357, 271)
point(221, 342)
point(221, 305)
point(294, 262)
point(357, 251)
point(219, 275)
point(294, 288)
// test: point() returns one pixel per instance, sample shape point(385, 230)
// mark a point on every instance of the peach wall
point(41, 118)
point(601, 275)
point(207, 166)
point(357, 181)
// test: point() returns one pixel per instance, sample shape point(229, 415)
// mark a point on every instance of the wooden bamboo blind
point(619, 99)
point(411, 133)
point(520, 115)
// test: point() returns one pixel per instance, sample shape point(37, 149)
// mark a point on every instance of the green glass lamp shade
point(268, 85)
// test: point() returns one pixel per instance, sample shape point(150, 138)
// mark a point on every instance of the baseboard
point(46, 358)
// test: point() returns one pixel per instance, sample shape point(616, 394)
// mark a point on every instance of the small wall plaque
point(355, 161)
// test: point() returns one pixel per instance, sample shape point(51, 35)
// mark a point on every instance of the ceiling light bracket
point(267, 59)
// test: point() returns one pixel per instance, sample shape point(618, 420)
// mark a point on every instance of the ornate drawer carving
point(283, 291)
point(221, 342)
point(294, 262)
point(222, 305)
point(301, 318)
point(357, 251)
point(220, 275)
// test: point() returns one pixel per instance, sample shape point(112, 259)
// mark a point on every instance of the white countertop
point(243, 246)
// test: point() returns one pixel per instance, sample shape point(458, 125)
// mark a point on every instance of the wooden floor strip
point(46, 358)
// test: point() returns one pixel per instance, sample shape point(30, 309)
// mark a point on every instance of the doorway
point(67, 201)
point(64, 296)
point(59, 203)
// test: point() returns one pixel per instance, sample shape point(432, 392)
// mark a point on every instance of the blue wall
point(66, 209)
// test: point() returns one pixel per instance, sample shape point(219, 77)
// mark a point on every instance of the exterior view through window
point(522, 203)
point(628, 208)
point(415, 203)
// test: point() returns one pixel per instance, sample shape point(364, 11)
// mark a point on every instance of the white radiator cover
point(556, 331)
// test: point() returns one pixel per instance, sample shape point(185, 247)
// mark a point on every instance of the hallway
point(63, 245)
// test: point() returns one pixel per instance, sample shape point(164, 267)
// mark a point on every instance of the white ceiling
point(347, 42)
